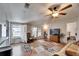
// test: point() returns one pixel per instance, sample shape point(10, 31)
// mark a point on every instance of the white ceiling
point(17, 13)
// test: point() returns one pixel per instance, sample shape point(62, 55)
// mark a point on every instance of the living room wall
point(60, 23)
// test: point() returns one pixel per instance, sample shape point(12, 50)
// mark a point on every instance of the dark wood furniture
point(54, 38)
point(31, 40)
point(6, 51)
point(55, 35)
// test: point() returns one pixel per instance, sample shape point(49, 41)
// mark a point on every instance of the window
point(72, 28)
point(34, 31)
point(3, 30)
point(39, 32)
point(16, 31)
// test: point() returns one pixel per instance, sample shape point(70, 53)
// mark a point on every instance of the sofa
point(72, 50)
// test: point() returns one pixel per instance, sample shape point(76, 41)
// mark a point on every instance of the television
point(55, 31)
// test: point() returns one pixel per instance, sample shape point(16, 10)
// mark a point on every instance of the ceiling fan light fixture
point(55, 14)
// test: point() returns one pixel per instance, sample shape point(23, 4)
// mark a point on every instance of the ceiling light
point(55, 14)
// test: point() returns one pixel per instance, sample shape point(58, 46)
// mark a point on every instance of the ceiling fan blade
point(48, 15)
point(66, 7)
point(54, 7)
point(50, 9)
point(62, 13)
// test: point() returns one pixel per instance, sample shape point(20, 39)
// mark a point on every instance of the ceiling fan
point(57, 10)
